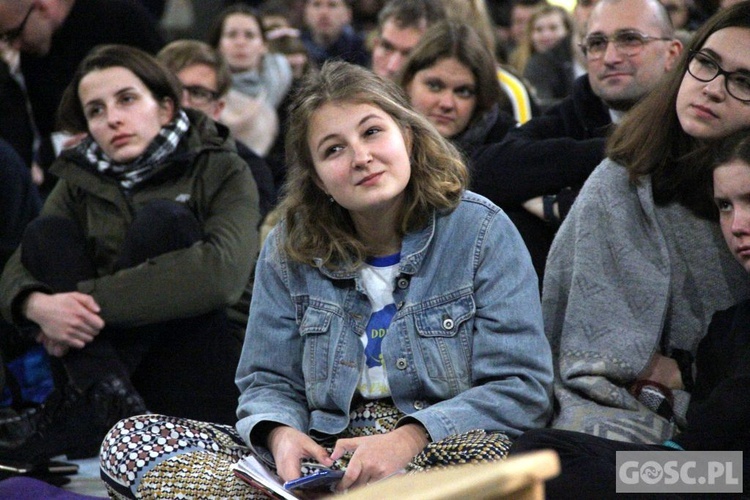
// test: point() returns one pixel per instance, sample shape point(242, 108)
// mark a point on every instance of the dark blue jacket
point(19, 200)
point(349, 47)
point(717, 417)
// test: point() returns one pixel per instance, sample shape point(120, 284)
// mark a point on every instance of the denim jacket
point(465, 350)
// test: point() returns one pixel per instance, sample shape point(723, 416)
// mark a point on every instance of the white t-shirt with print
point(378, 277)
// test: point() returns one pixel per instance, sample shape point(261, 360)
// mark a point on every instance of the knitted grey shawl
point(271, 83)
point(607, 291)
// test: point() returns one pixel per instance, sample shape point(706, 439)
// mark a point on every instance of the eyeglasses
point(704, 68)
point(199, 94)
point(12, 34)
point(628, 43)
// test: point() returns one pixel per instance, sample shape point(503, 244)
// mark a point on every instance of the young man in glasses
point(206, 81)
point(536, 172)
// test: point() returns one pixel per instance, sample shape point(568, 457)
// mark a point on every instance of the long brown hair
point(734, 147)
point(451, 39)
point(320, 232)
point(162, 84)
point(650, 140)
point(217, 25)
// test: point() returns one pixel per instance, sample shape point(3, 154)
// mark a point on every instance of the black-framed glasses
point(199, 94)
point(626, 42)
point(705, 68)
point(12, 34)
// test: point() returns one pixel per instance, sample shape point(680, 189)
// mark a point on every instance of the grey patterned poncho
point(626, 278)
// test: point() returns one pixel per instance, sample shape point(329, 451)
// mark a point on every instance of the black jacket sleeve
point(263, 178)
point(547, 154)
point(717, 417)
point(19, 200)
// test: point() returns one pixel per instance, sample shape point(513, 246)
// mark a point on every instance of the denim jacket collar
point(413, 250)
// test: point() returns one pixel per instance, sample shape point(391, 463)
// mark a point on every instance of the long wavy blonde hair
point(322, 233)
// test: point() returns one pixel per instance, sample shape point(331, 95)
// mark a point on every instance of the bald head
point(13, 17)
point(31, 24)
point(637, 49)
point(652, 14)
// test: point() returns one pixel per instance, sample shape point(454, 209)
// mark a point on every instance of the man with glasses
point(628, 52)
point(9, 36)
point(16, 126)
point(206, 80)
point(536, 172)
point(53, 36)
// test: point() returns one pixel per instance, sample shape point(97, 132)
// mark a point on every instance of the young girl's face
point(732, 197)
point(446, 94)
point(361, 157)
point(242, 42)
point(547, 31)
point(122, 114)
point(705, 109)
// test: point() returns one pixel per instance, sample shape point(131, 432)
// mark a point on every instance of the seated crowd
point(380, 241)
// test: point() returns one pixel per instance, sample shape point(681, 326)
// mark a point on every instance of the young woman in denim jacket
point(374, 193)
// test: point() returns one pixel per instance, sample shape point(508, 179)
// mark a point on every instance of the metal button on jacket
point(402, 283)
point(448, 324)
point(401, 363)
point(418, 405)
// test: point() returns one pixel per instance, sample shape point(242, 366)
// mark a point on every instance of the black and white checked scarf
point(135, 172)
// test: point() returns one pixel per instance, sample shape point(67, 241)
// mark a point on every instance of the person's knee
point(48, 231)
point(159, 227)
point(535, 439)
point(163, 208)
point(166, 216)
point(53, 250)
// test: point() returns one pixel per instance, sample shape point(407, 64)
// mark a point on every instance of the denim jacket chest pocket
point(444, 334)
point(318, 323)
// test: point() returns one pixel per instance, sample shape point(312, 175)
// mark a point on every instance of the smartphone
point(322, 478)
